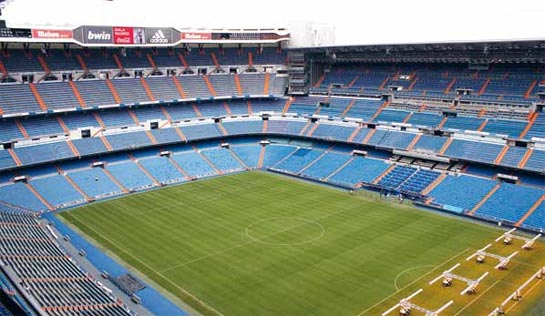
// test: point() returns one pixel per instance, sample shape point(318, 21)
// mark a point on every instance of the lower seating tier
point(74, 182)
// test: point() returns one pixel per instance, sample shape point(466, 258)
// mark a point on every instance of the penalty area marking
point(304, 222)
point(409, 270)
point(476, 298)
point(527, 293)
point(413, 282)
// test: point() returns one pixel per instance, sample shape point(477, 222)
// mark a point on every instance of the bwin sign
point(97, 35)
point(102, 36)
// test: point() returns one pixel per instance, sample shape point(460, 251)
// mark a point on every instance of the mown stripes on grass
point(193, 236)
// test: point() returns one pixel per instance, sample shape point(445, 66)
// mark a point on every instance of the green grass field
point(262, 244)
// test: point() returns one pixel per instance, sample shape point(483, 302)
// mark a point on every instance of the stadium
point(165, 170)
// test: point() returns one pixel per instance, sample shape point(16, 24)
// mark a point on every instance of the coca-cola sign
point(123, 35)
point(51, 34)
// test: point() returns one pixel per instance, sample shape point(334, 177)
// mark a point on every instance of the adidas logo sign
point(159, 38)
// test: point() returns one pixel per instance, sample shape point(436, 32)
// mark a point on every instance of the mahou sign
point(51, 34)
point(195, 36)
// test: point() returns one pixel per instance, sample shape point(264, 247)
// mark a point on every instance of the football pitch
point(262, 244)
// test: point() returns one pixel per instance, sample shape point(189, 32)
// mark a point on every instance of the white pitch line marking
point(252, 241)
point(408, 270)
point(420, 278)
point(157, 272)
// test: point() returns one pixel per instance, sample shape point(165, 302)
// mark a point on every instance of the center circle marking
point(299, 222)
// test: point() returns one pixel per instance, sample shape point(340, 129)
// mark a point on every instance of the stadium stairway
point(384, 174)
point(281, 161)
point(73, 148)
point(318, 110)
point(413, 83)
point(74, 184)
point(22, 128)
point(165, 113)
point(82, 63)
point(114, 180)
point(133, 116)
point(222, 129)
point(414, 141)
point(15, 157)
point(265, 126)
point(151, 61)
point(238, 85)
point(354, 134)
point(250, 59)
point(408, 117)
point(303, 131)
point(349, 161)
point(435, 183)
point(500, 156)
point(482, 126)
point(383, 84)
point(37, 96)
point(348, 107)
point(63, 125)
point(106, 143)
point(196, 109)
point(532, 118)
point(353, 81)
point(314, 161)
point(44, 65)
point(484, 86)
point(445, 146)
point(249, 106)
point(287, 106)
point(180, 169)
point(368, 136)
point(212, 165)
point(113, 91)
point(147, 88)
point(209, 85)
point(41, 198)
point(99, 120)
point(215, 60)
point(319, 82)
point(240, 161)
point(266, 84)
point(442, 123)
point(530, 89)
point(3, 69)
point(485, 198)
point(530, 211)
point(312, 130)
point(118, 62)
point(144, 170)
point(527, 156)
point(377, 113)
point(450, 85)
point(261, 156)
point(179, 87)
point(182, 59)
point(227, 108)
point(180, 134)
point(151, 137)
